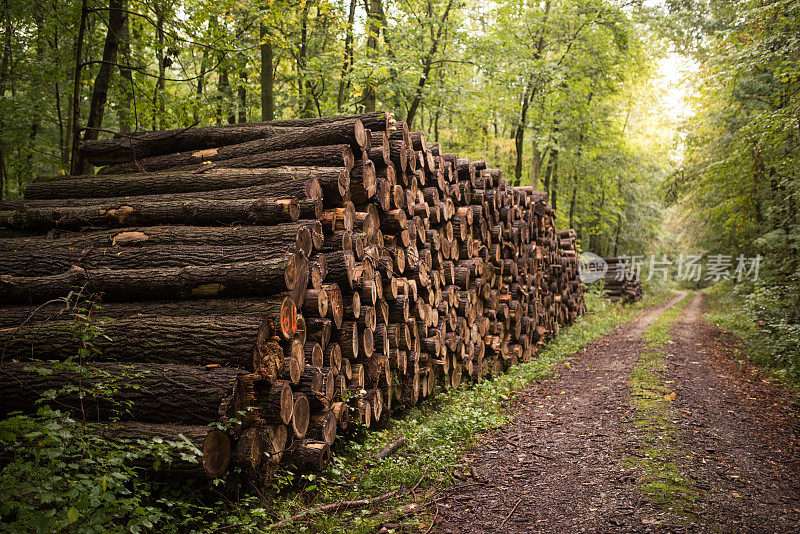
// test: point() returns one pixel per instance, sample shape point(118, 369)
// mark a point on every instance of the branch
point(341, 504)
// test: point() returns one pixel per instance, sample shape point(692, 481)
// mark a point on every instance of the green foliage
point(739, 190)
point(62, 475)
point(59, 477)
point(762, 317)
point(572, 74)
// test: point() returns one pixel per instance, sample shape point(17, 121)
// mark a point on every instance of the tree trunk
point(103, 78)
point(163, 143)
point(347, 66)
point(373, 31)
point(75, 106)
point(241, 92)
point(375, 121)
point(127, 87)
point(193, 281)
point(324, 156)
point(227, 341)
point(267, 79)
point(147, 393)
point(427, 63)
point(55, 259)
point(309, 455)
point(159, 104)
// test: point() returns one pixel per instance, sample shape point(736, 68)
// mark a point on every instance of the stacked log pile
point(620, 282)
point(294, 279)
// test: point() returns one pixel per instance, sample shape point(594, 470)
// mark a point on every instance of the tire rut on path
point(563, 464)
point(740, 431)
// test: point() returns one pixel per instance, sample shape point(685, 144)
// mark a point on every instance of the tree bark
point(147, 393)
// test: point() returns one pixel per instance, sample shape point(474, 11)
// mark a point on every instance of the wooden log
point(332, 180)
point(262, 211)
point(319, 330)
point(362, 182)
point(301, 413)
point(148, 393)
point(297, 234)
point(372, 120)
point(322, 427)
point(183, 440)
point(55, 259)
point(230, 341)
point(309, 455)
point(204, 281)
point(344, 133)
point(323, 156)
point(275, 311)
point(272, 400)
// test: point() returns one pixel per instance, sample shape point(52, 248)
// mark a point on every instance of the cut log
point(282, 237)
point(345, 133)
point(231, 341)
point(322, 427)
point(211, 447)
point(322, 156)
point(206, 281)
point(331, 179)
point(55, 259)
point(309, 455)
point(262, 211)
point(149, 393)
point(301, 413)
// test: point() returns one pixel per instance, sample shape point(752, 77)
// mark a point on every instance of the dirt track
point(568, 462)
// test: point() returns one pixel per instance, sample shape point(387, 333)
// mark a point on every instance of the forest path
point(715, 448)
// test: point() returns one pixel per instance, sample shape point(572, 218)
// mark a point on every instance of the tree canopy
point(558, 91)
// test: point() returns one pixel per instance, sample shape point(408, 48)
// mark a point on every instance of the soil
point(564, 464)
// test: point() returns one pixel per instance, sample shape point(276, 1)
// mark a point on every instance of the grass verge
point(660, 478)
point(438, 432)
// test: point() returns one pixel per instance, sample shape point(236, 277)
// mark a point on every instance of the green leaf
point(72, 515)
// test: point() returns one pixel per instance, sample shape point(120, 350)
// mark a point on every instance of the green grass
point(660, 478)
point(438, 433)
